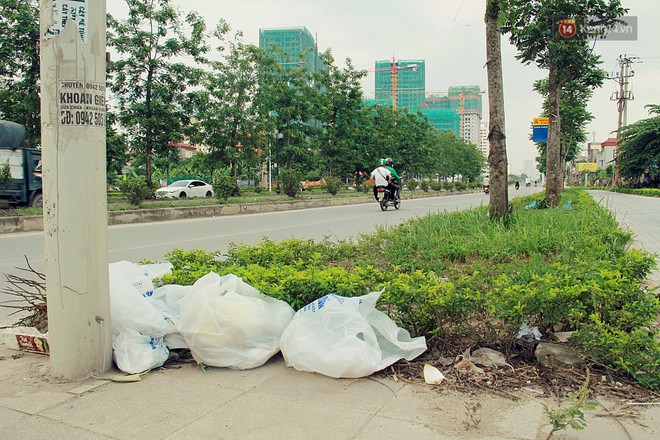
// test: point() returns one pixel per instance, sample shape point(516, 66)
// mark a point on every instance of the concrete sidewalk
point(638, 214)
point(276, 402)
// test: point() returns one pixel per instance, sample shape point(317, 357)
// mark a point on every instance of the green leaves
point(640, 146)
point(135, 190)
point(20, 66)
point(5, 176)
point(533, 27)
point(149, 85)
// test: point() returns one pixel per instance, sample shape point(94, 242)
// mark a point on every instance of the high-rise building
point(293, 46)
point(443, 119)
point(484, 145)
point(471, 131)
point(407, 77)
point(465, 101)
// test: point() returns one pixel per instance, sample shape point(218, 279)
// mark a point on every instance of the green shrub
point(438, 186)
point(313, 176)
point(425, 185)
point(649, 192)
point(290, 180)
point(333, 185)
point(225, 186)
point(135, 190)
point(460, 186)
point(412, 184)
point(635, 352)
point(258, 189)
point(5, 176)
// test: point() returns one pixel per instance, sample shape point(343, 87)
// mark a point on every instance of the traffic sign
point(587, 166)
point(540, 121)
point(540, 133)
point(567, 27)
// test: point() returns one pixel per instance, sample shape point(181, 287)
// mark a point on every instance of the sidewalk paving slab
point(273, 401)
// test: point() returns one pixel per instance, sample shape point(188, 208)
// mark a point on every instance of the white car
point(185, 188)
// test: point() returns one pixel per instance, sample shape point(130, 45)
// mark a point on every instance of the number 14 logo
point(567, 27)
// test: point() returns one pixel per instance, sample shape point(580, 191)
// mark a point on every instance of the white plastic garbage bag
point(141, 276)
point(228, 323)
point(346, 337)
point(130, 306)
point(135, 352)
point(166, 300)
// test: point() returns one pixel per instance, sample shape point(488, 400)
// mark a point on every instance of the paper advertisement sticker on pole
point(65, 11)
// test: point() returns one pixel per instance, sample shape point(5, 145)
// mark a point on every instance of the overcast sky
point(449, 35)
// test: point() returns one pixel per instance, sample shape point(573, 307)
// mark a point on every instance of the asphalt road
point(153, 241)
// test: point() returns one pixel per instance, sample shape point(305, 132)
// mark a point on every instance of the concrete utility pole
point(621, 97)
point(73, 79)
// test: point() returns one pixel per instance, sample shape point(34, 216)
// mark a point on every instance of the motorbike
point(386, 198)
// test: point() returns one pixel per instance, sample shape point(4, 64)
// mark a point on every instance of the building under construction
point(465, 103)
point(291, 47)
point(401, 83)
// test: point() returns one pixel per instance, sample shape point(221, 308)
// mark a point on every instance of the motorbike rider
point(486, 184)
point(517, 184)
point(381, 177)
point(395, 182)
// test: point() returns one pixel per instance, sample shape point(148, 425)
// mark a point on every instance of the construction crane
point(394, 78)
point(461, 106)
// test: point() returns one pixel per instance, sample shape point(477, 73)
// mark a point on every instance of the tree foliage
point(227, 107)
point(290, 97)
point(150, 82)
point(19, 66)
point(339, 97)
point(639, 148)
point(574, 117)
point(533, 27)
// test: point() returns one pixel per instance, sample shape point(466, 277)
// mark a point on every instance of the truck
point(24, 187)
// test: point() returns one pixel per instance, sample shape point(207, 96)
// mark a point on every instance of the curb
point(9, 225)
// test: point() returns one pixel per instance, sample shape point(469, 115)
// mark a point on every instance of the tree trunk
point(497, 159)
point(555, 176)
point(149, 134)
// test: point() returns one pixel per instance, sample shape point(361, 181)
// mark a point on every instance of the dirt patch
point(524, 377)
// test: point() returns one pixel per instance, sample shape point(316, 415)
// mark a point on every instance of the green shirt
point(394, 174)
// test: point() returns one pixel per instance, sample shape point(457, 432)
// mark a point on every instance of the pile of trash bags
point(225, 322)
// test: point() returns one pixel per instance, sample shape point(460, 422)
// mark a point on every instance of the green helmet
point(382, 162)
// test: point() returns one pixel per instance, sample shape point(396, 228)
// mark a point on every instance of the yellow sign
point(540, 121)
point(587, 166)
